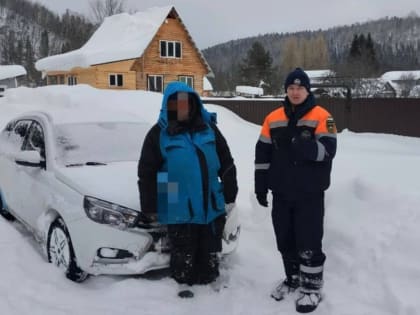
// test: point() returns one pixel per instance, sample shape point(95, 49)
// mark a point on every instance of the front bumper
point(101, 249)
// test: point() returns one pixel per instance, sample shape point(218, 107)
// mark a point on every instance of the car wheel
point(61, 253)
point(5, 214)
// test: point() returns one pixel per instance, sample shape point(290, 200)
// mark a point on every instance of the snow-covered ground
point(371, 238)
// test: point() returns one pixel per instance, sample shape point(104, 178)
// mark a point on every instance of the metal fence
point(398, 116)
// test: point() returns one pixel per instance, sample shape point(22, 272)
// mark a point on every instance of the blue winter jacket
point(189, 190)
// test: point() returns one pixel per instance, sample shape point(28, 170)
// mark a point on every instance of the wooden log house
point(142, 51)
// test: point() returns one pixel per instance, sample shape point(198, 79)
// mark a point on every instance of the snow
point(207, 84)
point(401, 75)
point(120, 37)
point(319, 74)
point(11, 71)
point(371, 230)
point(249, 90)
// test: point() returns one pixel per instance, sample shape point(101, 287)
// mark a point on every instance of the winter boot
point(284, 288)
point(311, 280)
point(308, 300)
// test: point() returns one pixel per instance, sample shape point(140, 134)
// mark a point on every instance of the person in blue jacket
point(187, 180)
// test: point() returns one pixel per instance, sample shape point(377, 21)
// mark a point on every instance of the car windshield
point(99, 142)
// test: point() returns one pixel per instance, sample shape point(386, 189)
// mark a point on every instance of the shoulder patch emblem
point(331, 127)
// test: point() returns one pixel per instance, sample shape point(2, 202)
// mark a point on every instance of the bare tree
point(320, 55)
point(292, 55)
point(102, 8)
point(309, 53)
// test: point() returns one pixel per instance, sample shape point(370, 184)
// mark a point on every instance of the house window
point(170, 49)
point(72, 80)
point(116, 80)
point(155, 83)
point(188, 80)
point(52, 79)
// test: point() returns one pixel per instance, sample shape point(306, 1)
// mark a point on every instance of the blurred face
point(297, 94)
point(180, 105)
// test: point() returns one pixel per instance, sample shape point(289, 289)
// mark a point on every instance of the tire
point(6, 214)
point(60, 251)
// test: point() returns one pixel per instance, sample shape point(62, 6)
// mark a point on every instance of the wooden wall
point(135, 71)
point(170, 68)
point(103, 71)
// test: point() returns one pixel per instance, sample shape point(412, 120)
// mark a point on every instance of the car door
point(34, 182)
point(12, 139)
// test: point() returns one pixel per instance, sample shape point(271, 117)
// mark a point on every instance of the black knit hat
point(298, 77)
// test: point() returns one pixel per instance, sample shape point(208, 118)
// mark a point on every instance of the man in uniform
point(293, 159)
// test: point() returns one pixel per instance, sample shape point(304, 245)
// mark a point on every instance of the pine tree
point(33, 75)
point(256, 68)
point(9, 51)
point(362, 60)
point(355, 50)
point(44, 48)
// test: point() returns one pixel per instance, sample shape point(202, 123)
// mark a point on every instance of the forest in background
point(360, 50)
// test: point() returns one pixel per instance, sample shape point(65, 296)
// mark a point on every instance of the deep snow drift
point(371, 231)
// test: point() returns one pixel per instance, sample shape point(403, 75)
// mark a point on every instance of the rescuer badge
point(331, 125)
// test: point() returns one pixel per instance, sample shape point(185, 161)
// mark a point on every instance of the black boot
point(308, 300)
point(311, 281)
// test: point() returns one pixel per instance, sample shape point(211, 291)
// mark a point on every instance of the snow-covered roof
point(251, 90)
point(415, 91)
point(120, 37)
point(11, 71)
point(207, 85)
point(319, 73)
point(398, 75)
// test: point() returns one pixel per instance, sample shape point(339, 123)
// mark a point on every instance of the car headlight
point(105, 212)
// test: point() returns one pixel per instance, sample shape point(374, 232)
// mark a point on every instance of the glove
point(262, 199)
point(229, 207)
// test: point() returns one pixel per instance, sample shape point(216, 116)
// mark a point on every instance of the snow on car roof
point(82, 103)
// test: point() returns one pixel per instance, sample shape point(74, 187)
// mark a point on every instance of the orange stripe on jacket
point(316, 114)
point(277, 115)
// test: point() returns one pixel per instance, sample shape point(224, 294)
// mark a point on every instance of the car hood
point(115, 182)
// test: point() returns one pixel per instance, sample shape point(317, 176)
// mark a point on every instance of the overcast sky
point(212, 22)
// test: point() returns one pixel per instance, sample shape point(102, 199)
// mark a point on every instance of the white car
point(73, 183)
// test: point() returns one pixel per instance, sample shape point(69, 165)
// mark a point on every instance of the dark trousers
point(194, 251)
point(298, 223)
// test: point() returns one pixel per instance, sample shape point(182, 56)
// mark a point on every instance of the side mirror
point(29, 158)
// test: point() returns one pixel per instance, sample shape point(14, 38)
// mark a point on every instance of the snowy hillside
point(371, 231)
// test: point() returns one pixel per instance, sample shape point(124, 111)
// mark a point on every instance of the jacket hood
point(175, 87)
